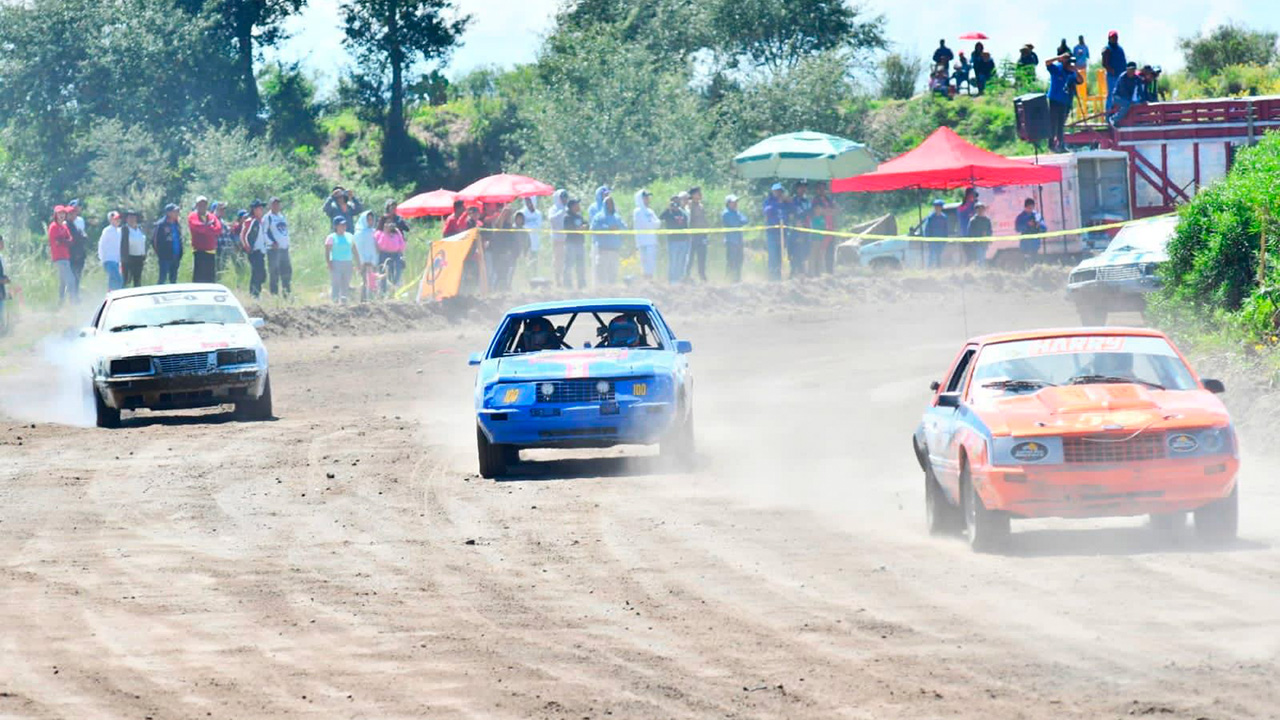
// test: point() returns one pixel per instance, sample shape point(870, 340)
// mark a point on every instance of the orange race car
point(1086, 422)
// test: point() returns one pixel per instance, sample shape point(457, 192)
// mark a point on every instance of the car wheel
point(988, 529)
point(492, 456)
point(885, 265)
point(105, 415)
point(1219, 521)
point(259, 409)
point(941, 517)
point(1167, 525)
point(679, 445)
point(1092, 314)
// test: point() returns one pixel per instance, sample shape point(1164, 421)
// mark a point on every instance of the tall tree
point(390, 38)
point(253, 25)
point(1225, 45)
point(775, 36)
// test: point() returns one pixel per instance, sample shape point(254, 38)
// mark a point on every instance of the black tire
point(679, 445)
point(105, 415)
point(941, 517)
point(1219, 521)
point(988, 529)
point(1092, 314)
point(492, 457)
point(259, 409)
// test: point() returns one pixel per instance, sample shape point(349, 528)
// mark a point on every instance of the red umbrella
point(504, 188)
point(436, 202)
point(974, 36)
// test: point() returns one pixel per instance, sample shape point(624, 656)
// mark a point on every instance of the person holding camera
point(342, 202)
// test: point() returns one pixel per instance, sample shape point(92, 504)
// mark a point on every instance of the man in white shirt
point(644, 218)
point(133, 249)
point(559, 206)
point(279, 267)
point(533, 223)
point(109, 251)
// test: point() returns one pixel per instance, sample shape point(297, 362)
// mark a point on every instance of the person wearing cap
point(979, 226)
point(279, 265)
point(341, 202)
point(60, 254)
point(1129, 89)
point(778, 210)
point(1062, 92)
point(698, 241)
point(341, 256)
point(205, 227)
point(1027, 55)
point(79, 239)
point(644, 220)
point(1114, 62)
point(109, 243)
point(675, 218)
point(575, 244)
point(937, 225)
point(731, 217)
point(166, 240)
point(608, 244)
point(254, 242)
point(133, 249)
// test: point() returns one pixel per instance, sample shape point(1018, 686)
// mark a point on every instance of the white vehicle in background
point(173, 347)
point(1119, 278)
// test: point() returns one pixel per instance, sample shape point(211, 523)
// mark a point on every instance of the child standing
point(341, 255)
point(367, 247)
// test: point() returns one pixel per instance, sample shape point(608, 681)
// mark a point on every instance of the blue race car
point(583, 374)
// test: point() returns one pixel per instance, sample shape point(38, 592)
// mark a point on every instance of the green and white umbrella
point(805, 156)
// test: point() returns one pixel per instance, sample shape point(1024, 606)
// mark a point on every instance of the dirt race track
point(345, 561)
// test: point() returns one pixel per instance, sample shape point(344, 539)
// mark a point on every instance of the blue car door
point(942, 418)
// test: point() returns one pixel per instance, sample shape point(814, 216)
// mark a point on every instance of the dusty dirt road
point(345, 561)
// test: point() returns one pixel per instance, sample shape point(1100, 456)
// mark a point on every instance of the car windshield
point(1029, 365)
point(172, 308)
point(602, 328)
point(1151, 236)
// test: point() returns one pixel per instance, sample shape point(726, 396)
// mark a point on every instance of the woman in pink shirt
point(390, 243)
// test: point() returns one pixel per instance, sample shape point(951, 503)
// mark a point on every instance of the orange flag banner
point(446, 274)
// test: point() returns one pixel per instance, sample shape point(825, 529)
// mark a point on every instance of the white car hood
point(177, 339)
point(1124, 257)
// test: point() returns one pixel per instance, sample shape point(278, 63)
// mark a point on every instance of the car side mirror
point(684, 347)
point(933, 386)
point(949, 400)
point(474, 359)
point(1214, 386)
point(258, 323)
point(88, 332)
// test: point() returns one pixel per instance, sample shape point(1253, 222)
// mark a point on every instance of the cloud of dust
point(52, 384)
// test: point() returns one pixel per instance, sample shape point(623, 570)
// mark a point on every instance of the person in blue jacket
point(608, 244)
point(733, 250)
point(937, 225)
point(1114, 61)
point(778, 210)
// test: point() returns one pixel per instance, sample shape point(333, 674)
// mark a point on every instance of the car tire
point(492, 456)
point(885, 265)
point(679, 445)
point(259, 409)
point(1219, 521)
point(988, 529)
point(941, 517)
point(1168, 525)
point(105, 416)
point(1092, 314)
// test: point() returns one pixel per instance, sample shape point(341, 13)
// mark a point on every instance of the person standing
point(942, 56)
point(255, 246)
point(79, 240)
point(797, 238)
point(937, 226)
point(697, 241)
point(575, 244)
point(555, 218)
point(777, 212)
point(60, 253)
point(133, 249)
point(983, 68)
point(341, 256)
point(367, 246)
point(109, 246)
point(733, 246)
point(390, 243)
point(979, 226)
point(279, 264)
point(533, 223)
point(822, 248)
point(456, 222)
point(608, 244)
point(205, 228)
point(643, 221)
point(675, 218)
point(966, 210)
point(1080, 54)
point(1029, 222)
point(1114, 62)
point(341, 202)
point(389, 210)
point(1062, 84)
point(228, 239)
point(166, 240)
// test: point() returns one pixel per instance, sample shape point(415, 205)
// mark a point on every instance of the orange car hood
point(1092, 408)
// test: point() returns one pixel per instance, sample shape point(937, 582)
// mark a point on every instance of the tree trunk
point(395, 146)
point(250, 103)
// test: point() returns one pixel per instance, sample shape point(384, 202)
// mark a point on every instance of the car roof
point(163, 289)
point(1044, 333)
point(566, 306)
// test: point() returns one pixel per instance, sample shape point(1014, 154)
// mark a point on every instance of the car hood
point(604, 363)
point(1129, 256)
point(1094, 408)
point(177, 339)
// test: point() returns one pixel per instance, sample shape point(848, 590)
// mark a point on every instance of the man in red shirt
point(457, 222)
point(205, 228)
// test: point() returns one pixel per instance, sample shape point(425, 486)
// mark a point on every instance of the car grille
point(1080, 276)
point(179, 364)
point(1119, 449)
point(573, 391)
point(1120, 272)
point(577, 432)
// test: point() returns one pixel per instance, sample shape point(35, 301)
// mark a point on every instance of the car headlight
point(1217, 440)
point(237, 357)
point(131, 366)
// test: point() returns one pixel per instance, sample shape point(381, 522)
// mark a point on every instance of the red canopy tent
point(436, 202)
point(945, 161)
point(503, 188)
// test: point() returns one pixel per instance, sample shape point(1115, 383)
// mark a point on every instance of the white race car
point(171, 347)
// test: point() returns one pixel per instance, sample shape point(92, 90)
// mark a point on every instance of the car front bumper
point(1093, 490)
point(636, 422)
point(1133, 290)
point(176, 392)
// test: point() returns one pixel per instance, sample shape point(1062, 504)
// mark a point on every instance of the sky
point(509, 32)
